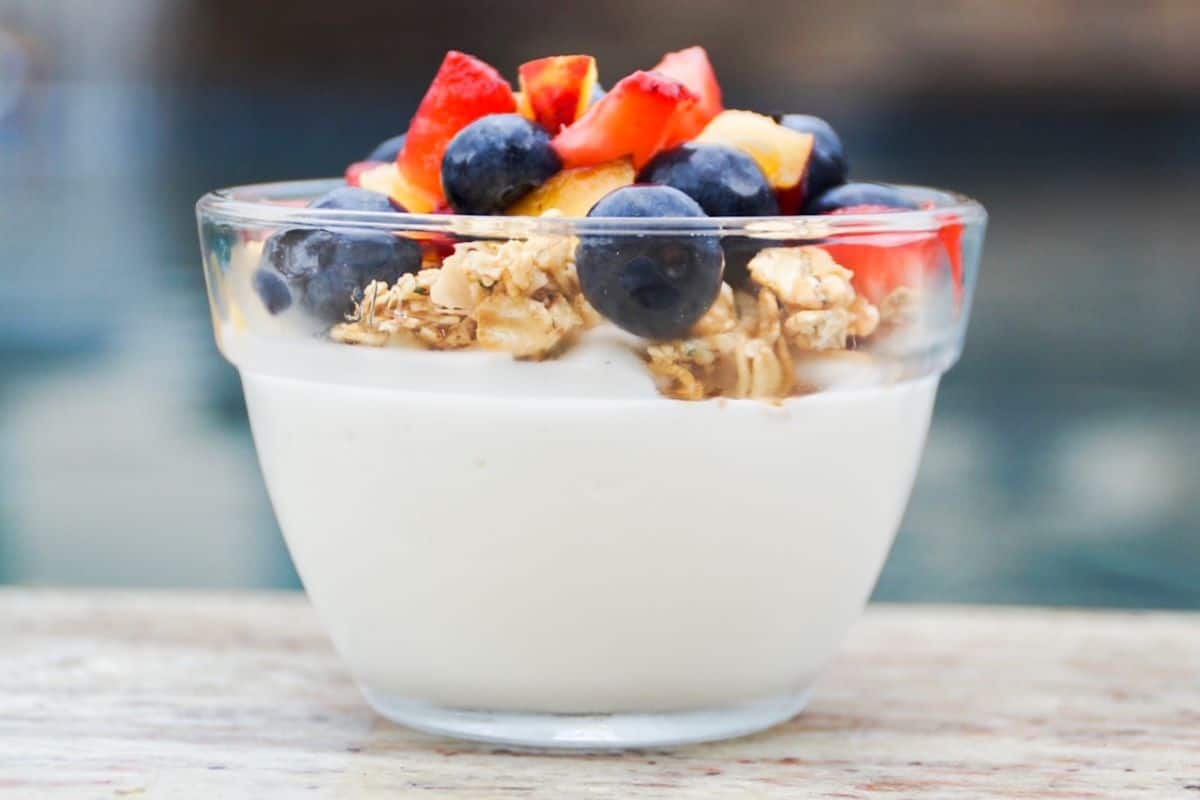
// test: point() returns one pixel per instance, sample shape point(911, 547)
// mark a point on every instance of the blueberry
point(328, 267)
point(220, 240)
point(739, 250)
point(828, 165)
point(272, 289)
point(858, 194)
point(388, 149)
point(723, 180)
point(355, 259)
point(495, 161)
point(651, 285)
point(352, 198)
point(331, 294)
point(299, 253)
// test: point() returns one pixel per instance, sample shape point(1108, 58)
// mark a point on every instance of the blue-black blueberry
point(828, 165)
point(858, 194)
point(272, 288)
point(725, 181)
point(327, 267)
point(655, 285)
point(495, 161)
point(354, 198)
point(388, 149)
point(357, 258)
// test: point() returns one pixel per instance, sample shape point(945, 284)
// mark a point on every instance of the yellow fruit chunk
point(379, 179)
point(781, 153)
point(523, 107)
point(574, 191)
point(387, 179)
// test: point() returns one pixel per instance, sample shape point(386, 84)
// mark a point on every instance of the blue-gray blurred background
point(1063, 462)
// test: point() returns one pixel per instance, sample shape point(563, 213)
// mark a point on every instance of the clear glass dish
point(602, 541)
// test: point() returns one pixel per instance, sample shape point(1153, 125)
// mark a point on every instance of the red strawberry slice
point(692, 68)
point(951, 233)
point(557, 89)
point(633, 119)
point(951, 236)
point(883, 262)
point(463, 90)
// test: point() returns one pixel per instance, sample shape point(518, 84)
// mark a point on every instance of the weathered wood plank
point(239, 695)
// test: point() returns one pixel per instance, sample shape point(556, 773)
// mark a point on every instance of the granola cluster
point(901, 307)
point(522, 296)
point(801, 300)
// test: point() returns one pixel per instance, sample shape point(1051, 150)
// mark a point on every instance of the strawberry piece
point(951, 234)
point(556, 91)
point(692, 68)
point(633, 119)
point(883, 262)
point(463, 90)
point(791, 200)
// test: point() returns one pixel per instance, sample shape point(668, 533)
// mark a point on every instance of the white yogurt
point(506, 544)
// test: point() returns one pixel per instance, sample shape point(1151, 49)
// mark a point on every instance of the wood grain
point(239, 695)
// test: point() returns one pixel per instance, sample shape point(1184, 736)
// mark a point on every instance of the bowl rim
point(251, 204)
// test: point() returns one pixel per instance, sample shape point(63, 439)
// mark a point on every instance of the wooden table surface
point(239, 695)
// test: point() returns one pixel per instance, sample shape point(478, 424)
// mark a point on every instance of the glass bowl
point(602, 541)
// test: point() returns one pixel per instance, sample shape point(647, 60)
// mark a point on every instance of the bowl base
point(590, 731)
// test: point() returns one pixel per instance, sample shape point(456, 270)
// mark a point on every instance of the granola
point(729, 354)
point(405, 312)
point(522, 296)
point(822, 309)
point(902, 306)
point(801, 300)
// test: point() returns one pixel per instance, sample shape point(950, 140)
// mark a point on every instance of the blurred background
point(1063, 461)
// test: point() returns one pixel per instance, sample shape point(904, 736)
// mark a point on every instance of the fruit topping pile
point(724, 315)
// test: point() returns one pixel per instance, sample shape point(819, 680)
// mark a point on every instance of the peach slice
point(574, 191)
point(556, 90)
point(781, 153)
point(355, 171)
point(523, 107)
point(386, 178)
